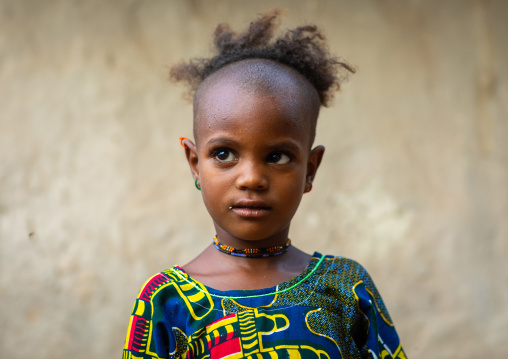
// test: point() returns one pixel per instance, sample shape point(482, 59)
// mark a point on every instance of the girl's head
point(256, 105)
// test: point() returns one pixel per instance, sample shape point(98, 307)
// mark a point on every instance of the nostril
point(252, 179)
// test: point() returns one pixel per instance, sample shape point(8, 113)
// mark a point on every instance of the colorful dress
point(331, 310)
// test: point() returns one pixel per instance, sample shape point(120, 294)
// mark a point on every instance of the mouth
point(251, 209)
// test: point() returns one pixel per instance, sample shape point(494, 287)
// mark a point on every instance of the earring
point(196, 184)
point(308, 187)
point(181, 142)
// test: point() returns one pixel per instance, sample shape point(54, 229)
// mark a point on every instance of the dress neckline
point(312, 266)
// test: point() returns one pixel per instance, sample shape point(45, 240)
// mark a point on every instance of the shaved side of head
point(265, 78)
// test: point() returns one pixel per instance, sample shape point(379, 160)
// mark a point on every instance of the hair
point(303, 49)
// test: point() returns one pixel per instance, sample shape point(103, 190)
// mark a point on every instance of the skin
point(253, 161)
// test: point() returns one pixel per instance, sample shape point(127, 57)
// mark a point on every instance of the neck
point(226, 272)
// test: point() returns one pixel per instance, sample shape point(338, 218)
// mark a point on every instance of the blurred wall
point(96, 196)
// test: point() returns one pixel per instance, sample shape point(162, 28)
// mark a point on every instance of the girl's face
point(253, 163)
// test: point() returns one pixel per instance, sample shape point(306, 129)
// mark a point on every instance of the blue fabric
point(336, 312)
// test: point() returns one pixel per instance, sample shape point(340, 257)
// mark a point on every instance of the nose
point(252, 175)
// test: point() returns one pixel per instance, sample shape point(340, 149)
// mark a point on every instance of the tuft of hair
point(303, 48)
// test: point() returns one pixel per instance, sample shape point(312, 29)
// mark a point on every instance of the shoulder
point(342, 264)
point(156, 283)
point(354, 276)
point(345, 270)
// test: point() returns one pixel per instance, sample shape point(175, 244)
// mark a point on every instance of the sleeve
point(382, 340)
point(150, 335)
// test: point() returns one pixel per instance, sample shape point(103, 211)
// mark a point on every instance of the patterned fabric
point(336, 312)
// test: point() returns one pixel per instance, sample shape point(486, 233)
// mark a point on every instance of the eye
point(278, 158)
point(224, 155)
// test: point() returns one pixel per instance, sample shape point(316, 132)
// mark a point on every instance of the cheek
point(297, 186)
point(292, 190)
point(212, 201)
point(213, 187)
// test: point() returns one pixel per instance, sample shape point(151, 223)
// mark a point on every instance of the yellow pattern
point(399, 353)
point(250, 344)
point(221, 323)
point(185, 291)
point(181, 342)
point(128, 333)
point(319, 353)
point(253, 345)
point(252, 325)
point(317, 333)
point(196, 297)
point(380, 310)
point(141, 308)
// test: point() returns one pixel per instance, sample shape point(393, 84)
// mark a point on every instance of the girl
point(250, 293)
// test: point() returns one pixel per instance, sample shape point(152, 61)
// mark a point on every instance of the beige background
point(95, 195)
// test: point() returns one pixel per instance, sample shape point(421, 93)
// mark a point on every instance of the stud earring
point(196, 184)
point(308, 187)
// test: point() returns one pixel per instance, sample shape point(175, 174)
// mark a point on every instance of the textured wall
point(95, 195)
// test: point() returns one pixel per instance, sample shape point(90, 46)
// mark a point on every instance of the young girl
point(251, 293)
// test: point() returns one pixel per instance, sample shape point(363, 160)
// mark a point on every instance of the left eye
point(278, 158)
point(225, 156)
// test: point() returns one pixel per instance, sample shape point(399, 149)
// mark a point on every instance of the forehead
point(237, 89)
point(247, 117)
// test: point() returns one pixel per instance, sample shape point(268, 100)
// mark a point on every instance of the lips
point(251, 208)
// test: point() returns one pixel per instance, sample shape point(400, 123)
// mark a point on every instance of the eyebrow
point(287, 145)
point(222, 140)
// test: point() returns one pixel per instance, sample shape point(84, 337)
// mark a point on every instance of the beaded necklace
point(252, 252)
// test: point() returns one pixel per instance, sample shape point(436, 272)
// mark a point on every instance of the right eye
point(224, 155)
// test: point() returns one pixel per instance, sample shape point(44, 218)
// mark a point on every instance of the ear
point(315, 157)
point(192, 157)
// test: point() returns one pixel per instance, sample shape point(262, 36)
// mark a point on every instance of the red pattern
point(151, 286)
point(225, 349)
